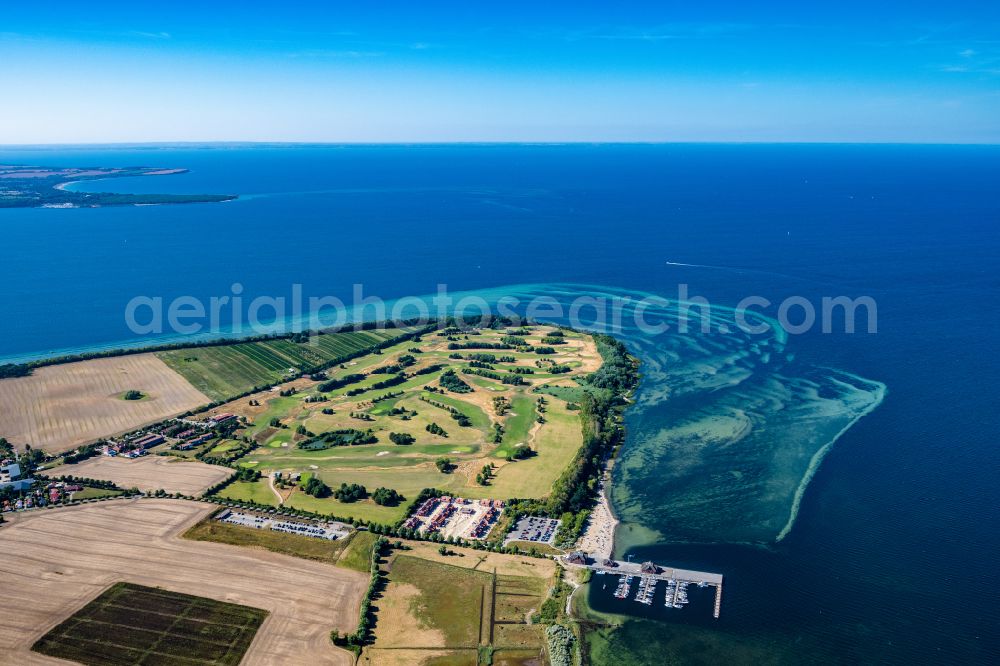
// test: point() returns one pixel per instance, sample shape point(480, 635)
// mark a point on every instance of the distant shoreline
point(28, 186)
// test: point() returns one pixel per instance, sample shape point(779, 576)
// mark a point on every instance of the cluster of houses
point(132, 446)
point(188, 435)
point(53, 492)
point(191, 438)
point(199, 432)
point(456, 517)
point(219, 419)
point(488, 519)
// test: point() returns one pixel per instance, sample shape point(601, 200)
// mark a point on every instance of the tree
point(444, 465)
point(132, 394)
point(315, 487)
point(386, 497)
point(401, 438)
point(350, 492)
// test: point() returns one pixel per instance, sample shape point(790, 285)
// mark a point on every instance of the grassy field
point(357, 555)
point(420, 406)
point(94, 493)
point(450, 599)
point(227, 370)
point(135, 624)
point(459, 603)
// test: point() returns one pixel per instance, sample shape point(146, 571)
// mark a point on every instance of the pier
point(648, 570)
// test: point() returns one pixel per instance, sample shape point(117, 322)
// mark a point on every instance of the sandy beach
point(598, 539)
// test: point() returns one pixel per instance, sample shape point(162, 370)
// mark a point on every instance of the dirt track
point(57, 560)
point(62, 406)
point(188, 477)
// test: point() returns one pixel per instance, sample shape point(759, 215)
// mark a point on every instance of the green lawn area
point(358, 553)
point(257, 491)
point(360, 510)
point(132, 624)
point(556, 442)
point(94, 493)
point(225, 445)
point(473, 412)
point(518, 424)
point(260, 492)
point(567, 393)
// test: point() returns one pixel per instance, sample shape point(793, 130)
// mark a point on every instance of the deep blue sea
point(892, 557)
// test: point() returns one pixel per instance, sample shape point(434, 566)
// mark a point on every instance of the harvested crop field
point(62, 406)
point(143, 625)
point(174, 475)
point(58, 560)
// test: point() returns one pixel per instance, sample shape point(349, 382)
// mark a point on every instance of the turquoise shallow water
point(890, 557)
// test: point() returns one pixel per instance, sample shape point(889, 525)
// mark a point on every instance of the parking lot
point(331, 530)
point(534, 529)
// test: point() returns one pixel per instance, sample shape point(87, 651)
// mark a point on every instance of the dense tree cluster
point(512, 380)
point(435, 429)
point(351, 492)
point(387, 497)
point(334, 384)
point(342, 437)
point(618, 370)
point(8, 370)
point(315, 487)
point(404, 361)
point(561, 642)
point(401, 438)
point(478, 345)
point(247, 474)
point(451, 381)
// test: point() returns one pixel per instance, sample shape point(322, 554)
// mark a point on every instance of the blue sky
point(367, 72)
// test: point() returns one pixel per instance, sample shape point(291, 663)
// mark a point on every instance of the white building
point(10, 477)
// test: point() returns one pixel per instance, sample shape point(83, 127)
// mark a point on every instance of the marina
point(650, 575)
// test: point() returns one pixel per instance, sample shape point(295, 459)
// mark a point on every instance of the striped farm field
point(62, 406)
point(228, 370)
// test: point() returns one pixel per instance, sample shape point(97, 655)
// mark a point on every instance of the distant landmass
point(44, 187)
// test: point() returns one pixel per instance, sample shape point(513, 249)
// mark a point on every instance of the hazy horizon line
point(581, 142)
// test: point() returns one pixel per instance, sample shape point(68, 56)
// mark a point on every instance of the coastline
point(598, 539)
